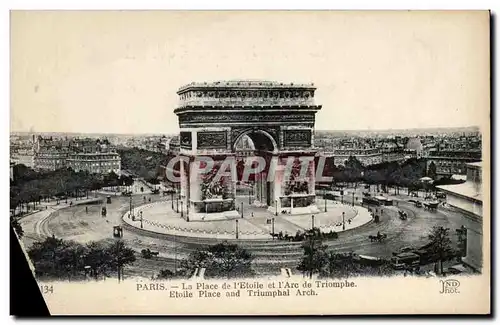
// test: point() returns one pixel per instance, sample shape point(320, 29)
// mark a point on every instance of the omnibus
point(371, 201)
point(399, 261)
point(383, 200)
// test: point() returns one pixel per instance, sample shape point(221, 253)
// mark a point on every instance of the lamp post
point(130, 206)
point(236, 228)
point(325, 201)
point(343, 220)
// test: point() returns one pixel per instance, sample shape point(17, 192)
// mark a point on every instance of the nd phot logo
point(449, 286)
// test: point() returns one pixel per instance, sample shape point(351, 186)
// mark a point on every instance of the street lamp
point(130, 206)
point(325, 201)
point(343, 220)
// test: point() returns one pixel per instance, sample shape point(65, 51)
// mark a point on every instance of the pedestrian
point(149, 200)
point(252, 214)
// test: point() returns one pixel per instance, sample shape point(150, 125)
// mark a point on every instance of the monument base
point(214, 216)
point(311, 209)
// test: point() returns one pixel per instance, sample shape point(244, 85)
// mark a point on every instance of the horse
point(378, 238)
point(274, 235)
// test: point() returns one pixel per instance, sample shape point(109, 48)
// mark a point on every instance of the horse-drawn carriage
point(117, 231)
point(147, 253)
point(417, 203)
point(379, 237)
point(402, 215)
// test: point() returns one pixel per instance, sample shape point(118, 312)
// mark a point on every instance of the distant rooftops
point(95, 153)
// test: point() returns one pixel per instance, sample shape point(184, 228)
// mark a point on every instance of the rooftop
point(468, 189)
point(476, 164)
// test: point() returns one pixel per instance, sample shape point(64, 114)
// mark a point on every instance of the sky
point(118, 72)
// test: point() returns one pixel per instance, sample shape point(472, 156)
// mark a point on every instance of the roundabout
point(83, 223)
point(253, 224)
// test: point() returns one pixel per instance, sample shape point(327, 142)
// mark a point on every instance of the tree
point(338, 265)
point(121, 256)
point(221, 260)
point(440, 243)
point(166, 274)
point(432, 172)
point(45, 256)
point(315, 255)
point(98, 258)
point(71, 258)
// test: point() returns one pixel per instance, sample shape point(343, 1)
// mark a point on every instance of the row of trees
point(406, 174)
point(143, 163)
point(58, 258)
point(33, 187)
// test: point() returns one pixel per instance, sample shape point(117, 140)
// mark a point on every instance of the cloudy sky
point(118, 72)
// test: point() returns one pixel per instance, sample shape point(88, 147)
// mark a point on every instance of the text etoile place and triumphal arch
point(276, 119)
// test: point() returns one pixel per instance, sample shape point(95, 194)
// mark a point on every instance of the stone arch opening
point(260, 140)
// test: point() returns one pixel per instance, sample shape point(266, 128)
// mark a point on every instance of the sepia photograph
point(252, 162)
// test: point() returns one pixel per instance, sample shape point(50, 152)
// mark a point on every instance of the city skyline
point(119, 72)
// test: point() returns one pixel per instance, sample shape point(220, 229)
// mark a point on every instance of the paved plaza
point(257, 223)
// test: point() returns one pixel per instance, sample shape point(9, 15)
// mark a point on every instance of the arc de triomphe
point(278, 118)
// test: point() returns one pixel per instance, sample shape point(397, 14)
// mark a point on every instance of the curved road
point(73, 223)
